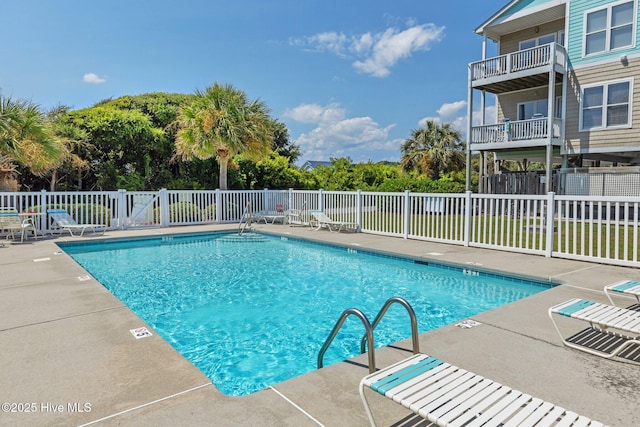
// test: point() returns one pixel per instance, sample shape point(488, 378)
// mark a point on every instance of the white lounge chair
point(625, 287)
point(613, 331)
point(320, 219)
point(11, 222)
point(450, 396)
point(297, 216)
point(65, 222)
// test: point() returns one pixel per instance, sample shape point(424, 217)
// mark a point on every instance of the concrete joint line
point(574, 271)
point(64, 318)
point(297, 407)
point(146, 404)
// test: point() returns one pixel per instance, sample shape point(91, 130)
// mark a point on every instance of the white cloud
point(315, 113)
point(93, 78)
point(452, 110)
point(455, 113)
point(376, 53)
point(336, 135)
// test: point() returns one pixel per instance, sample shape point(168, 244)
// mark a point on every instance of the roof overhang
point(510, 19)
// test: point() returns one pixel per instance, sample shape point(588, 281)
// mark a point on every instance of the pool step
point(244, 238)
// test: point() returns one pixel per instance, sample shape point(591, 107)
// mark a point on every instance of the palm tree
point(221, 122)
point(26, 138)
point(433, 149)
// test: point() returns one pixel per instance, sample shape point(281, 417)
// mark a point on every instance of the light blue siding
point(577, 9)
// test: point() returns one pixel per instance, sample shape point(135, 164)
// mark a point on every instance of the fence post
point(359, 209)
point(321, 199)
point(290, 199)
point(218, 202)
point(407, 213)
point(44, 225)
point(266, 196)
point(122, 208)
point(467, 218)
point(551, 207)
point(164, 208)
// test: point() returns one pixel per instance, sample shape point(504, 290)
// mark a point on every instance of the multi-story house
point(564, 84)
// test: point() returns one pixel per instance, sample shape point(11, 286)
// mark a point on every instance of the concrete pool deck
point(68, 358)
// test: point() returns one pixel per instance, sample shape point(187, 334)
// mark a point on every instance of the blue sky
point(349, 78)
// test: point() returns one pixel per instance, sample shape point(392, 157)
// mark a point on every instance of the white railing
point(519, 130)
point(509, 222)
point(590, 228)
point(528, 59)
point(383, 213)
point(600, 229)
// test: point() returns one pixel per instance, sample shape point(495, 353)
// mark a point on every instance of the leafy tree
point(74, 143)
point(161, 108)
point(275, 172)
point(336, 177)
point(282, 145)
point(121, 143)
point(433, 150)
point(369, 176)
point(222, 122)
point(163, 168)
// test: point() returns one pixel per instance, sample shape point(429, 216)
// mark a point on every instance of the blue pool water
point(253, 314)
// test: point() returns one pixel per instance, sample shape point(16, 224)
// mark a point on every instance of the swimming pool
point(253, 312)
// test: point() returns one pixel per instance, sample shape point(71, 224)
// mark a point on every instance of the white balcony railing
point(528, 59)
point(521, 130)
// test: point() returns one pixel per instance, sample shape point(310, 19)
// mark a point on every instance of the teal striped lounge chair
point(625, 287)
point(613, 331)
point(450, 396)
point(65, 222)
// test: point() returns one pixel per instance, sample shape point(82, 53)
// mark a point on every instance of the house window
point(609, 28)
point(538, 41)
point(538, 108)
point(606, 105)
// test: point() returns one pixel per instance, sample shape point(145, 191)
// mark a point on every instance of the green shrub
point(180, 212)
point(209, 212)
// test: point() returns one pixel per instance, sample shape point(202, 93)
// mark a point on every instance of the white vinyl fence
point(590, 228)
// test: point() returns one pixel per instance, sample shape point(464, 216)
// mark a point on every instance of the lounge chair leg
point(366, 405)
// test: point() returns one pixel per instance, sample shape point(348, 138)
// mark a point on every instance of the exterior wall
point(510, 42)
point(508, 103)
point(595, 141)
point(577, 9)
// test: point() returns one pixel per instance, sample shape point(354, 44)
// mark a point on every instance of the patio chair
point(320, 219)
point(11, 222)
point(625, 287)
point(270, 216)
point(447, 395)
point(297, 216)
point(65, 222)
point(613, 331)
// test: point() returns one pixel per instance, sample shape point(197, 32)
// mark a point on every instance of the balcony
point(519, 70)
point(518, 134)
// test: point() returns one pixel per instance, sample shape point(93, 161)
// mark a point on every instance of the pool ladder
point(245, 220)
point(369, 327)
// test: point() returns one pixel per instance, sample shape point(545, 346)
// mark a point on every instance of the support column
point(550, 119)
point(469, 126)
